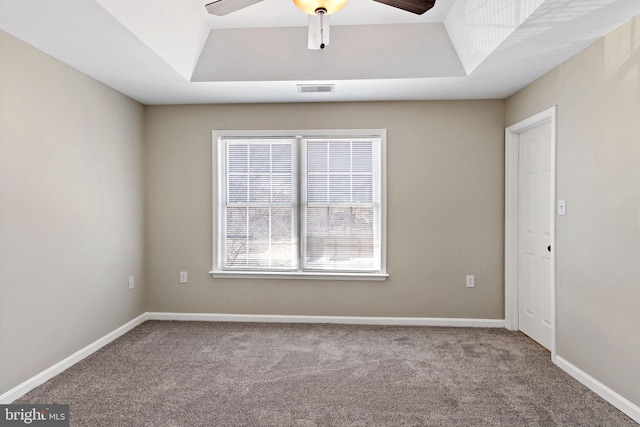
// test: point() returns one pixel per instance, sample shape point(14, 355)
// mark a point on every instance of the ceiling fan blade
point(414, 6)
point(225, 7)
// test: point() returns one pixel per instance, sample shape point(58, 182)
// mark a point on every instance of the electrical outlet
point(132, 282)
point(183, 277)
point(471, 281)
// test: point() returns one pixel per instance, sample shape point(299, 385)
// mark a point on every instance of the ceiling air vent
point(316, 88)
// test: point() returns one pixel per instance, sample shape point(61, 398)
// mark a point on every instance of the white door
point(535, 234)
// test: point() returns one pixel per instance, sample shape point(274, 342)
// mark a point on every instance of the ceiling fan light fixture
point(313, 6)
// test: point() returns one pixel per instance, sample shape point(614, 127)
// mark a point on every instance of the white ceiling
point(174, 52)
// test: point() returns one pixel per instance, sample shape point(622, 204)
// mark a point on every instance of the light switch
point(562, 207)
point(471, 281)
point(183, 277)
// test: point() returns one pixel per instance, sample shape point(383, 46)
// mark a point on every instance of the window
point(258, 205)
point(300, 204)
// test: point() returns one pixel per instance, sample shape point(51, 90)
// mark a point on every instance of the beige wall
point(445, 211)
point(598, 243)
point(70, 211)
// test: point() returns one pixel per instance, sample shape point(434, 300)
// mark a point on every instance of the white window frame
point(218, 155)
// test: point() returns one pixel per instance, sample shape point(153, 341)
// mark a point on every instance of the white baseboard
point(624, 405)
point(47, 374)
point(351, 320)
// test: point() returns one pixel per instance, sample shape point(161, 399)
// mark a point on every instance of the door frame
point(511, 284)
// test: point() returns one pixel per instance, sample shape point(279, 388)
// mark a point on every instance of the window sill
point(377, 277)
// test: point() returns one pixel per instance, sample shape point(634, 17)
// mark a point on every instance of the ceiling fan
point(318, 11)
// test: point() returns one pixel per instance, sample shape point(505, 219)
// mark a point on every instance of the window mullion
point(270, 239)
point(351, 189)
point(247, 235)
point(351, 172)
point(328, 211)
point(301, 199)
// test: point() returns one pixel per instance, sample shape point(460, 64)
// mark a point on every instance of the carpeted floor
point(239, 374)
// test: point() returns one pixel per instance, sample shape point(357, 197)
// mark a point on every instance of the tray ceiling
point(174, 52)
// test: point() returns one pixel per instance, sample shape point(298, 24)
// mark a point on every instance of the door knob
point(549, 248)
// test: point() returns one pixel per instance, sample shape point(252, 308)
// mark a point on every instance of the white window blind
point(259, 205)
point(301, 205)
point(341, 205)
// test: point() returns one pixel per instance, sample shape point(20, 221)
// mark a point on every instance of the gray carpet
point(238, 374)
